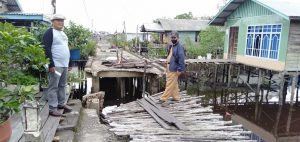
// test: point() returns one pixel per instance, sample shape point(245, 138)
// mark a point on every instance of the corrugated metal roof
point(152, 27)
point(288, 9)
point(25, 16)
point(13, 5)
point(183, 24)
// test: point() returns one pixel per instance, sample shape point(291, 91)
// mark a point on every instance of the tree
point(212, 39)
point(81, 38)
point(185, 16)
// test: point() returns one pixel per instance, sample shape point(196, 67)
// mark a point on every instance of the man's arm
point(47, 42)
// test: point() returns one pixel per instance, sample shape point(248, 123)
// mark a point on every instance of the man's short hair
point(175, 33)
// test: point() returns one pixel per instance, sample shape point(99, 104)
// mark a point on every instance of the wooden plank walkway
point(133, 121)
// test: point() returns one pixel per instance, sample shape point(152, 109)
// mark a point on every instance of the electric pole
point(54, 6)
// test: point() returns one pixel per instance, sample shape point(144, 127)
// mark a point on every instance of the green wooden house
point(262, 33)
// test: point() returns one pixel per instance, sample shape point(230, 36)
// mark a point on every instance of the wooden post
point(215, 84)
point(269, 86)
point(236, 100)
point(144, 78)
point(294, 80)
point(248, 80)
point(228, 79)
point(282, 80)
point(285, 86)
point(95, 84)
point(277, 121)
point(123, 91)
point(224, 70)
point(297, 93)
point(133, 86)
point(257, 92)
point(238, 76)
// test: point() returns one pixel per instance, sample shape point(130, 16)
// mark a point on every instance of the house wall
point(184, 35)
point(131, 36)
point(250, 13)
point(293, 52)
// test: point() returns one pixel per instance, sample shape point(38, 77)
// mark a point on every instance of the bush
point(193, 50)
point(20, 52)
point(212, 39)
point(119, 40)
point(81, 38)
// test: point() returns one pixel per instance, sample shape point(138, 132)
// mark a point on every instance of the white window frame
point(270, 41)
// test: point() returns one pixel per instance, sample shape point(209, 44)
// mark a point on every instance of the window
point(263, 41)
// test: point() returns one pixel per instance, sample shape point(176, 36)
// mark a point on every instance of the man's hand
point(178, 73)
point(52, 69)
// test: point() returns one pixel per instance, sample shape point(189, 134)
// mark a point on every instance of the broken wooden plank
point(155, 117)
point(166, 115)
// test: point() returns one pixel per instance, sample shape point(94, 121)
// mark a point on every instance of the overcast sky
point(108, 15)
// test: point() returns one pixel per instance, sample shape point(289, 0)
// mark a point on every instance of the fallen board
point(165, 115)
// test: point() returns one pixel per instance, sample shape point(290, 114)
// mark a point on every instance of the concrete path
point(91, 130)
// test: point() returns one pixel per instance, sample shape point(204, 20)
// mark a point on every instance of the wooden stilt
point(215, 84)
point(257, 93)
point(96, 84)
point(228, 80)
point(294, 80)
point(297, 85)
point(238, 76)
point(285, 86)
point(282, 80)
point(269, 86)
point(133, 86)
point(224, 70)
point(275, 132)
point(123, 91)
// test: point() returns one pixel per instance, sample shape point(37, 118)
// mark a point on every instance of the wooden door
point(233, 42)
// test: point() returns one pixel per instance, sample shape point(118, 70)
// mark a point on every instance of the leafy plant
point(38, 30)
point(212, 39)
point(89, 49)
point(8, 104)
point(19, 49)
point(10, 101)
point(81, 38)
point(188, 15)
point(119, 40)
point(19, 78)
point(194, 49)
point(20, 52)
point(76, 76)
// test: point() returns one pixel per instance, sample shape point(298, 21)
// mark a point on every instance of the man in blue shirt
point(175, 66)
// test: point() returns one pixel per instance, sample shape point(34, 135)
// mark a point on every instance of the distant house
point(131, 36)
point(185, 27)
point(262, 33)
point(10, 6)
point(11, 12)
point(24, 19)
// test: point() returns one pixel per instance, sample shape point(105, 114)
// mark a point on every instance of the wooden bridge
point(197, 123)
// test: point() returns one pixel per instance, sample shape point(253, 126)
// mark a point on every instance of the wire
point(86, 11)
